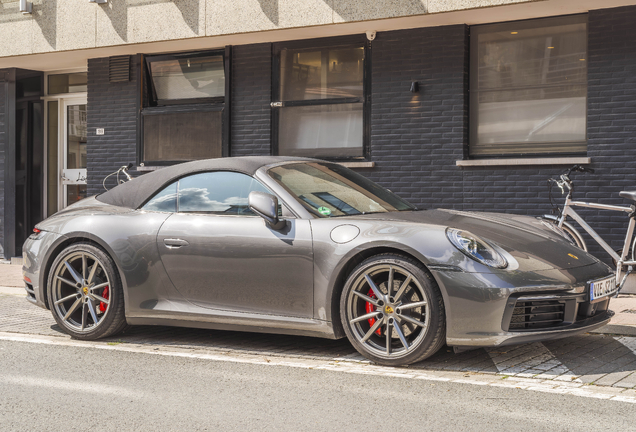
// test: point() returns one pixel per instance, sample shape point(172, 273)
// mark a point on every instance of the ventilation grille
point(532, 315)
point(29, 289)
point(119, 69)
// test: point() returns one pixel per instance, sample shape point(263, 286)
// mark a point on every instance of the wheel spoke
point(412, 320)
point(372, 330)
point(100, 298)
point(73, 272)
point(388, 337)
point(92, 272)
point(67, 282)
point(84, 265)
point(374, 288)
point(365, 298)
point(91, 308)
point(66, 298)
point(389, 284)
point(84, 315)
point(365, 317)
point(403, 288)
point(413, 305)
point(99, 286)
point(400, 334)
point(72, 309)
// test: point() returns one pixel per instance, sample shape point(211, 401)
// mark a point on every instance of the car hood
point(525, 238)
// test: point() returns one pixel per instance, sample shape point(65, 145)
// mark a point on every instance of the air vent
point(531, 315)
point(119, 69)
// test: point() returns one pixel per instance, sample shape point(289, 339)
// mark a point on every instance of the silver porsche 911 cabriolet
point(307, 247)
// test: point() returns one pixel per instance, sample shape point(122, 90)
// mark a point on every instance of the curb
point(13, 291)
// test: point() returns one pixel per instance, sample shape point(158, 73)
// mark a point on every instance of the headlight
point(476, 248)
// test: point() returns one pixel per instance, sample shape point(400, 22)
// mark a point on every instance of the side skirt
point(239, 322)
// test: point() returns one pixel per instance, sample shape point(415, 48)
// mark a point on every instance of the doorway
point(66, 140)
point(66, 152)
point(72, 152)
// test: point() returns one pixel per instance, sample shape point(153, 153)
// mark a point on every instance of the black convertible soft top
point(133, 194)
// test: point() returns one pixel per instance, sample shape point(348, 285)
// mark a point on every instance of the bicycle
point(558, 221)
point(123, 169)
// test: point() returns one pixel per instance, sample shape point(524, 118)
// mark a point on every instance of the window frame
point(284, 209)
point(148, 105)
point(473, 86)
point(354, 41)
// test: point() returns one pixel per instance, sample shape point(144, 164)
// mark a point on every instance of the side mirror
point(266, 206)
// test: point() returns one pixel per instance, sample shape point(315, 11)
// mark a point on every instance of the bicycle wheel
point(567, 230)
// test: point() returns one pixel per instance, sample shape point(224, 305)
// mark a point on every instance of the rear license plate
point(603, 288)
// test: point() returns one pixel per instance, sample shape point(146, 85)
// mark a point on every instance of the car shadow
point(593, 356)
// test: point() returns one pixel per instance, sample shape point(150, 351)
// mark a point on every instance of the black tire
point(415, 342)
point(76, 302)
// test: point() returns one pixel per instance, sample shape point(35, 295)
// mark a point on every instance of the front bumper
point(492, 310)
point(36, 252)
point(585, 325)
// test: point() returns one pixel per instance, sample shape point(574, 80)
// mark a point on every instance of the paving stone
point(611, 378)
point(628, 382)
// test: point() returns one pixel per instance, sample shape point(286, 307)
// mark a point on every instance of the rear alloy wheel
point(85, 294)
point(392, 310)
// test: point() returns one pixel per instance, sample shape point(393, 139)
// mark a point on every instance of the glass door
point(72, 185)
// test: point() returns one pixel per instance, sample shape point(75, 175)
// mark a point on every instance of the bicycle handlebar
point(579, 168)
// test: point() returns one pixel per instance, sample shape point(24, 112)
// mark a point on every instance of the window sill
point(357, 164)
point(150, 168)
point(517, 162)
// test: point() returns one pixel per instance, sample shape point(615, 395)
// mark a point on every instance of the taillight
point(37, 231)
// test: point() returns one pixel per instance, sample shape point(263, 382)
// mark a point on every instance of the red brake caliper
point(102, 305)
point(371, 308)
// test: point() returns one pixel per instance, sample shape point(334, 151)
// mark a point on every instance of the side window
point(164, 201)
point(217, 193)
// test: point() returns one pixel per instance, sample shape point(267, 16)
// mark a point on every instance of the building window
point(320, 89)
point(185, 114)
point(528, 87)
point(67, 83)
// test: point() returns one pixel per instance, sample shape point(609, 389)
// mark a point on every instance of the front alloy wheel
point(392, 311)
point(85, 294)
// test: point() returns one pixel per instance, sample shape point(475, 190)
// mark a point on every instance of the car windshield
point(331, 190)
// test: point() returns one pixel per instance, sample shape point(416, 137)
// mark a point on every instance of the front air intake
point(534, 315)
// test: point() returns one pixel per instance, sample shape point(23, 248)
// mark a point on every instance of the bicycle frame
point(620, 260)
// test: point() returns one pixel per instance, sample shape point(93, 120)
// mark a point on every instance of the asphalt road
point(44, 387)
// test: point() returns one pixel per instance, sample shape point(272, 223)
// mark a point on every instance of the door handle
point(174, 243)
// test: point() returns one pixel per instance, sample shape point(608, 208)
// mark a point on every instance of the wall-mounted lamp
point(415, 87)
point(98, 1)
point(26, 7)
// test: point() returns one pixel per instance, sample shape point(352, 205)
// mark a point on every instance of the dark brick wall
point(251, 98)
point(3, 135)
point(112, 106)
point(417, 137)
point(611, 115)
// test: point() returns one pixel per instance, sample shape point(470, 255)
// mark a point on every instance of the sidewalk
point(623, 323)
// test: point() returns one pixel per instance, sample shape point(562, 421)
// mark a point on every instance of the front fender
point(332, 260)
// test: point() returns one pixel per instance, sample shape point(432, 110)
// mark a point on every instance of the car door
point(220, 255)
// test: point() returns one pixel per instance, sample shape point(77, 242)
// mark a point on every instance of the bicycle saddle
point(631, 195)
